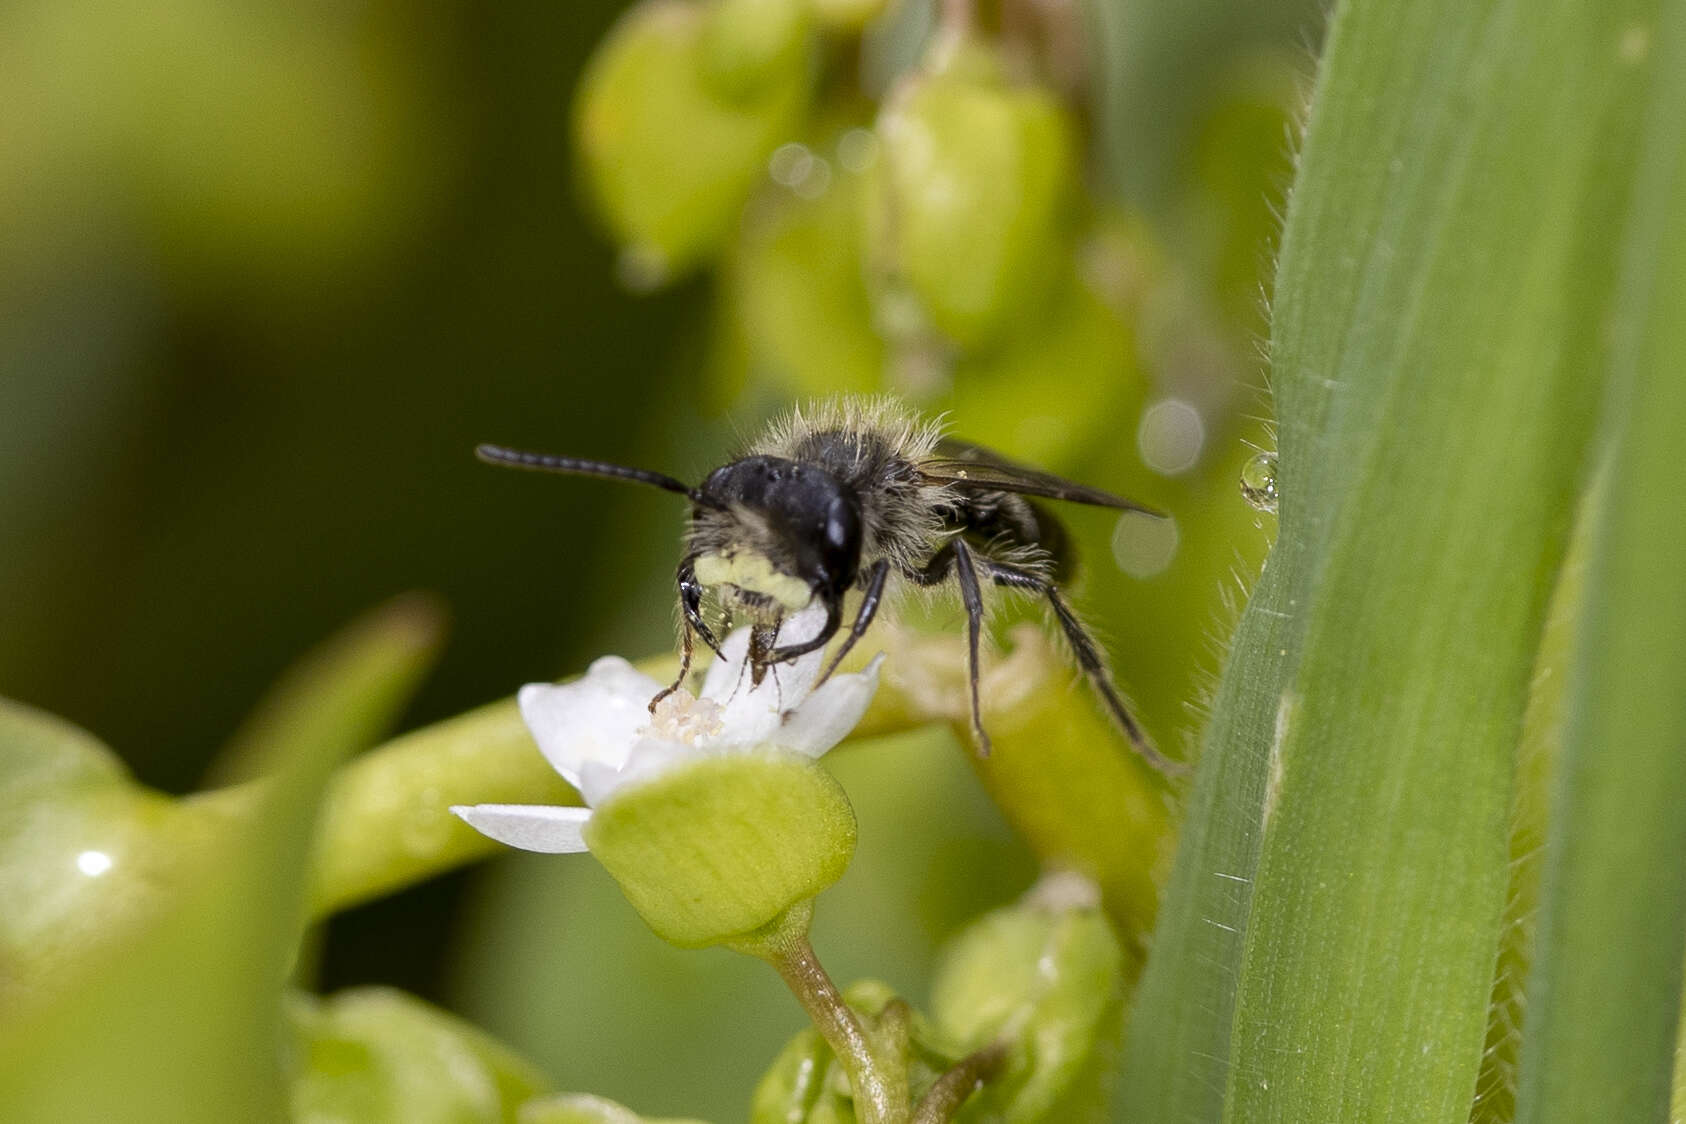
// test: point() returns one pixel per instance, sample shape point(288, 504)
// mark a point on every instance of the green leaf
point(1538, 756)
point(1604, 1000)
point(86, 854)
point(169, 1008)
point(1327, 948)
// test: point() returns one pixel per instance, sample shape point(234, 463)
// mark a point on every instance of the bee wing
point(974, 468)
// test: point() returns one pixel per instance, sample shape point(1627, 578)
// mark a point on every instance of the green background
point(266, 279)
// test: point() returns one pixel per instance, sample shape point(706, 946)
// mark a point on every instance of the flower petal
point(648, 759)
point(828, 715)
point(594, 718)
point(531, 827)
point(750, 714)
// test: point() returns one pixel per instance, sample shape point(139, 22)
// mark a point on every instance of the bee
point(863, 494)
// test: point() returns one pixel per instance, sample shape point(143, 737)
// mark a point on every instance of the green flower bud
point(1044, 976)
point(375, 1054)
point(973, 207)
point(751, 45)
point(720, 847)
point(1058, 388)
point(583, 1108)
point(847, 15)
point(798, 1083)
point(798, 310)
point(668, 161)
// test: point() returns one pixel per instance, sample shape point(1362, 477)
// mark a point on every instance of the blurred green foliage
point(266, 278)
point(377, 1055)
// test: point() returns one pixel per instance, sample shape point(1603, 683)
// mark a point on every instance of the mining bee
point(861, 494)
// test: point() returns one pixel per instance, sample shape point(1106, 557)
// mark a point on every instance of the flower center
point(684, 718)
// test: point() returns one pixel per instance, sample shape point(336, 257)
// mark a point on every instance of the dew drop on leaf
point(1258, 481)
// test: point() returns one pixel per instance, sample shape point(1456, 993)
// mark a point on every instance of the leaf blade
point(1441, 285)
point(1605, 996)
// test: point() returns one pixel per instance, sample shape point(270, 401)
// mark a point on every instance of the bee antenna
point(574, 466)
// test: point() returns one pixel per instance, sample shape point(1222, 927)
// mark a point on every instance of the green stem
point(878, 1100)
point(943, 1099)
point(385, 824)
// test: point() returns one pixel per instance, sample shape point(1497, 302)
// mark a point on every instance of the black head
point(799, 520)
point(778, 532)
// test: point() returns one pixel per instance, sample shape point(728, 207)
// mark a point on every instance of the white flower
point(598, 731)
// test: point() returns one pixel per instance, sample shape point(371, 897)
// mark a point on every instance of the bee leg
point(690, 603)
point(690, 600)
point(863, 617)
point(966, 573)
point(1088, 655)
point(762, 655)
point(833, 618)
point(684, 666)
point(936, 568)
point(935, 571)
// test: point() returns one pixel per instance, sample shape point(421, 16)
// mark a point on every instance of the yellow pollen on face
point(752, 572)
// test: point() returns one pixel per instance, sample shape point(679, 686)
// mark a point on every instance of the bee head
point(775, 533)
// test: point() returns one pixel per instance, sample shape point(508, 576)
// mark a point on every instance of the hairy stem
point(942, 1100)
point(878, 1100)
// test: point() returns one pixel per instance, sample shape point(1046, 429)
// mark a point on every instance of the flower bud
point(1058, 386)
point(1045, 977)
point(974, 202)
point(750, 45)
point(377, 1054)
point(799, 311)
point(668, 161)
point(722, 846)
point(798, 1086)
point(583, 1108)
point(847, 15)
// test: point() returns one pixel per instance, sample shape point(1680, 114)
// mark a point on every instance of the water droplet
point(1258, 481)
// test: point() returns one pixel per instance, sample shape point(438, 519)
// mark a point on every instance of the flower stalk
point(880, 1089)
point(943, 1099)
